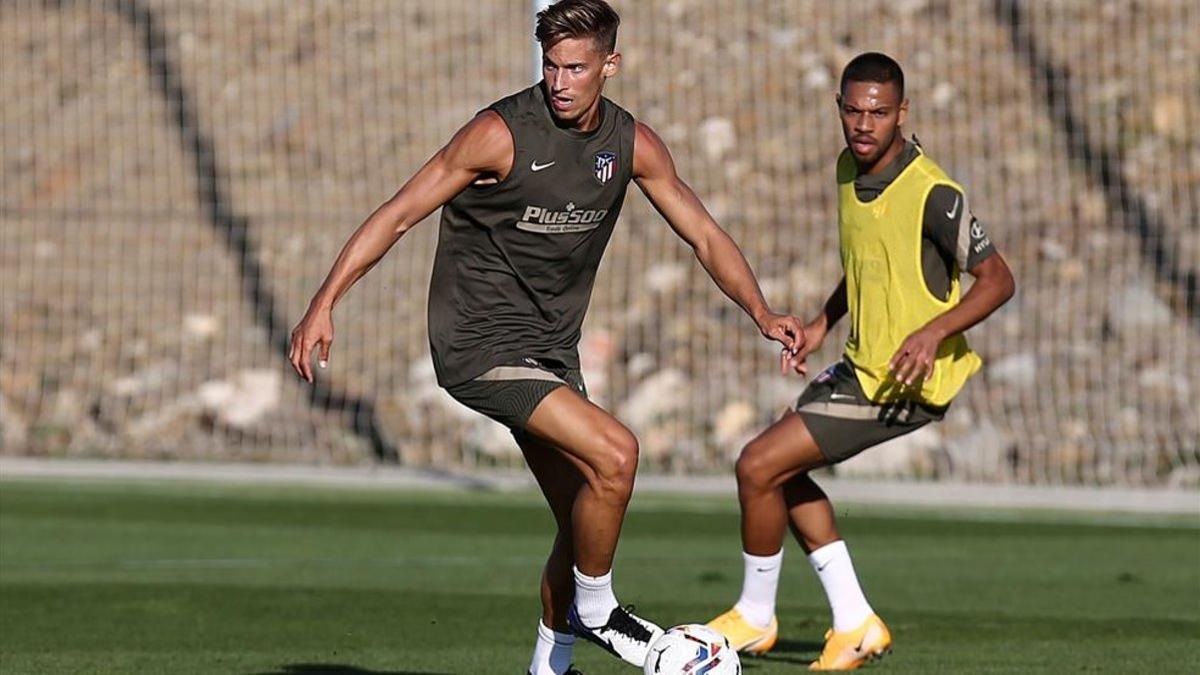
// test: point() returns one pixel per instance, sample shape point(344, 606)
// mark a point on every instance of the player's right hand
point(814, 335)
point(782, 328)
point(314, 330)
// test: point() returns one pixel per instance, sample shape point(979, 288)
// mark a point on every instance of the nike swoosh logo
point(607, 645)
point(949, 214)
point(821, 568)
point(590, 635)
point(538, 167)
point(764, 569)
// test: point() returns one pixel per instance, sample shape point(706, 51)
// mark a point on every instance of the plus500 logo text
point(570, 219)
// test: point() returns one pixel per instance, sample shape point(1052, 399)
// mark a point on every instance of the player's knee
point(752, 468)
point(618, 465)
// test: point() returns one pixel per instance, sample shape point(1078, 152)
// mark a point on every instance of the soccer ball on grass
point(692, 649)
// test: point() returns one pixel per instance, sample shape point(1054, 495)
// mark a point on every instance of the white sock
point(594, 599)
point(551, 652)
point(846, 599)
point(760, 581)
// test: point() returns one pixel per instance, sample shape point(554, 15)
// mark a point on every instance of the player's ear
point(612, 64)
point(903, 113)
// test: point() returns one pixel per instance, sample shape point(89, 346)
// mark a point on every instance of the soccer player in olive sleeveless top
point(531, 189)
point(906, 235)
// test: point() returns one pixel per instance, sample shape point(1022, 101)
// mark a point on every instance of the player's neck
point(885, 160)
point(590, 120)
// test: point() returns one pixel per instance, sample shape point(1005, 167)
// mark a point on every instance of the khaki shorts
point(510, 393)
point(844, 422)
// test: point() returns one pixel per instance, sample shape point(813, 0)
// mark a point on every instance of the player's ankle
point(594, 597)
point(760, 583)
point(847, 602)
point(552, 652)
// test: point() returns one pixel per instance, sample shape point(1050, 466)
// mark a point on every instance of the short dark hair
point(578, 19)
point(873, 67)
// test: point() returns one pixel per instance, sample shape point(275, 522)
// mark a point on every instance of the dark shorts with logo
point(510, 393)
point(844, 423)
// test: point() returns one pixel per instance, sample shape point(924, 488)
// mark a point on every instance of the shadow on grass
point(801, 652)
point(336, 669)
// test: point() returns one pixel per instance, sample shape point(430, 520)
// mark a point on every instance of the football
point(692, 649)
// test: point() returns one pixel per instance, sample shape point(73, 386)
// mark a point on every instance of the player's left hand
point(913, 361)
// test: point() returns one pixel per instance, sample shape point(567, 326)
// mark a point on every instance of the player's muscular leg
point(809, 513)
point(606, 454)
point(779, 454)
point(560, 481)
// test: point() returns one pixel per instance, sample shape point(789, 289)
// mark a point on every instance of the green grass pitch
point(194, 578)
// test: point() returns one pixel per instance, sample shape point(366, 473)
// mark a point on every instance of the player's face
point(575, 71)
point(872, 114)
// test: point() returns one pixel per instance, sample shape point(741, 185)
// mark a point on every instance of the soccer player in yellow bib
point(906, 235)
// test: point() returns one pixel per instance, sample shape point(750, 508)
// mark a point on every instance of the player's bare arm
point(481, 150)
point(654, 171)
point(993, 287)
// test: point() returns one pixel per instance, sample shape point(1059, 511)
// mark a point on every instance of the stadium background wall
point(177, 177)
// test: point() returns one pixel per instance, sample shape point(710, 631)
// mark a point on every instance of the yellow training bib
point(885, 286)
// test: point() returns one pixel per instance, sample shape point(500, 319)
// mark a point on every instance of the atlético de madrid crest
point(606, 164)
